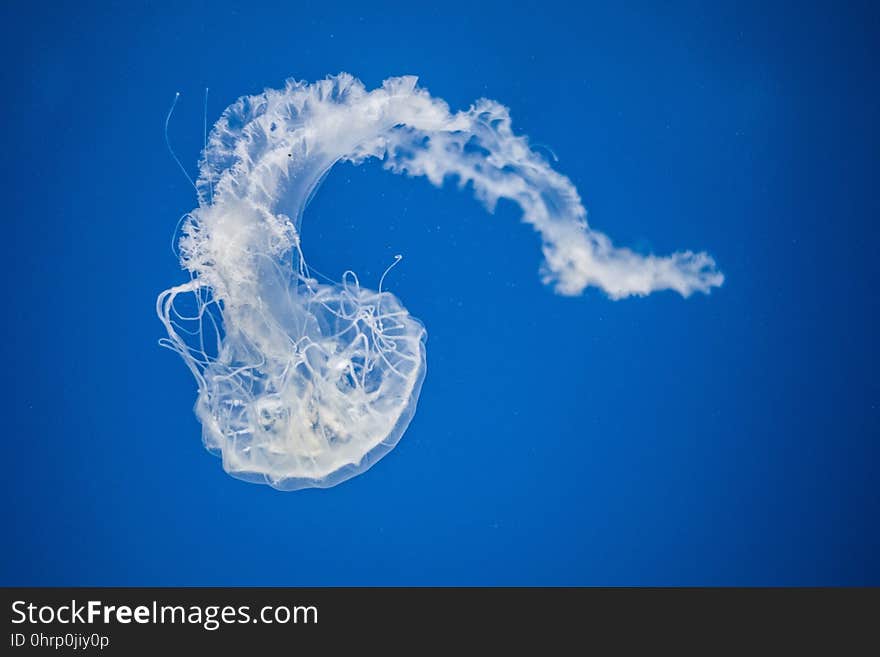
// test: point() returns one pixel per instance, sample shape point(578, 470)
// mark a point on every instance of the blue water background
point(728, 439)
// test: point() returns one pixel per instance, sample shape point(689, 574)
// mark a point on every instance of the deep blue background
point(729, 439)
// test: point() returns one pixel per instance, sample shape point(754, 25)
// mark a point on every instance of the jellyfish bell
point(310, 396)
point(305, 382)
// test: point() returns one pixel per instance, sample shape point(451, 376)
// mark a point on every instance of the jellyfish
point(304, 381)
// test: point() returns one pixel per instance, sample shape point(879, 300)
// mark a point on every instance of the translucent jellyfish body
point(306, 383)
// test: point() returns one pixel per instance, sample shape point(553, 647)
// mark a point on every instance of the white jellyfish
point(306, 383)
